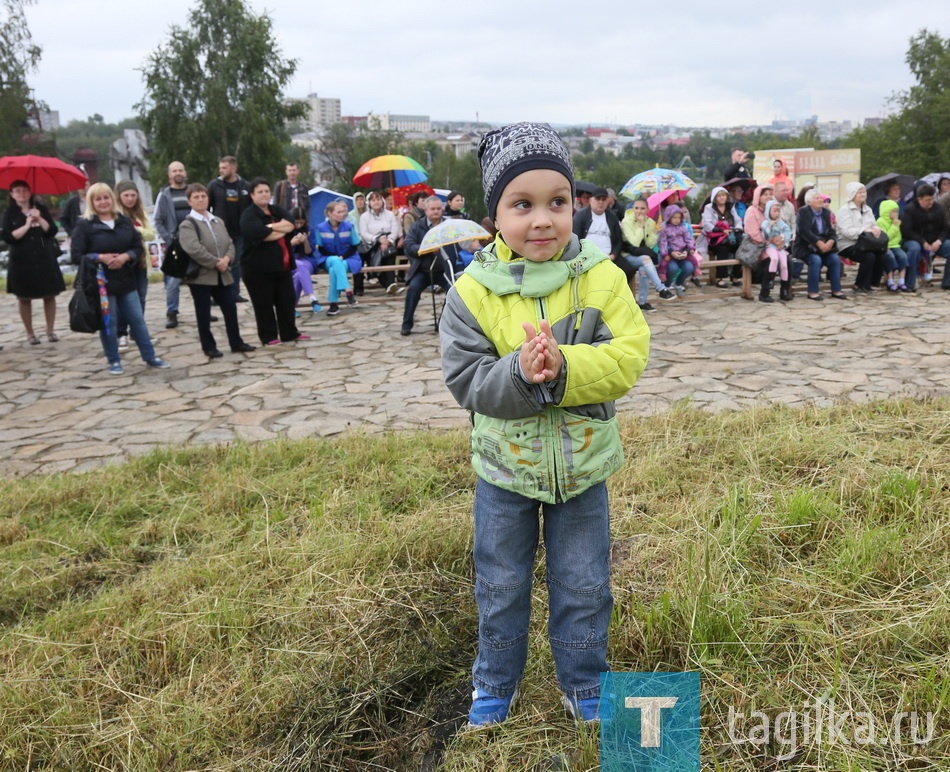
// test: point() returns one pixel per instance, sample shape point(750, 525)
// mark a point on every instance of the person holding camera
point(738, 169)
point(33, 272)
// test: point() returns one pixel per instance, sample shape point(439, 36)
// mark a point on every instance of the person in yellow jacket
point(889, 221)
point(540, 336)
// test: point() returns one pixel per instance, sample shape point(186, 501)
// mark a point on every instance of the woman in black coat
point(267, 267)
point(105, 239)
point(816, 246)
point(33, 272)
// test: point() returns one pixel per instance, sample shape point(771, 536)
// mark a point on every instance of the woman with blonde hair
point(130, 204)
point(106, 241)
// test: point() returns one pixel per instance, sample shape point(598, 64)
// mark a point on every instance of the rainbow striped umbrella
point(389, 171)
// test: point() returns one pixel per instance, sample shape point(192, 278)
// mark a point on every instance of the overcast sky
point(710, 63)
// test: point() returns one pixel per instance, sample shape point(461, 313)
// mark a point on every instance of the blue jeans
point(648, 275)
point(896, 259)
point(129, 307)
point(172, 291)
point(913, 249)
point(577, 549)
point(141, 285)
point(682, 267)
point(815, 262)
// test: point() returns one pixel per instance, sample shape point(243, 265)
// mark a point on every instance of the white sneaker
point(928, 277)
point(124, 341)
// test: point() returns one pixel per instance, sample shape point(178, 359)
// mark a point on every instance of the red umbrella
point(45, 175)
point(401, 195)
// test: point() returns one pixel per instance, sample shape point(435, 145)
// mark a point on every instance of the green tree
point(916, 138)
point(96, 134)
point(344, 149)
point(216, 89)
point(462, 174)
point(19, 56)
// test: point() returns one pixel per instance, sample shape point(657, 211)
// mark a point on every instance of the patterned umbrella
point(451, 232)
point(103, 296)
point(655, 181)
point(389, 171)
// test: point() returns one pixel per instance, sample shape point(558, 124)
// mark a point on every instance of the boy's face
point(534, 214)
point(894, 214)
point(598, 204)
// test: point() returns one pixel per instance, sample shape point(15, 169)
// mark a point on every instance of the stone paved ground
point(61, 410)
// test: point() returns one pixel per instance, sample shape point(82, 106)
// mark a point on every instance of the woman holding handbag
point(108, 242)
point(860, 240)
point(33, 272)
point(205, 238)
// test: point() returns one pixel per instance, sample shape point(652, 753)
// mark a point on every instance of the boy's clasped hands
point(541, 358)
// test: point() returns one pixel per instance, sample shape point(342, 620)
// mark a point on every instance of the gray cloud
point(701, 64)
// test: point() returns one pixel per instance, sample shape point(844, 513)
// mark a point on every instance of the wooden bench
point(710, 267)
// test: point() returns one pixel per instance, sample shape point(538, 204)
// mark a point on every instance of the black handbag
point(868, 242)
point(178, 263)
point(85, 314)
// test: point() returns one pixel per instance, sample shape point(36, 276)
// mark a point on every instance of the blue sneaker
point(586, 710)
point(316, 307)
point(116, 368)
point(161, 364)
point(487, 710)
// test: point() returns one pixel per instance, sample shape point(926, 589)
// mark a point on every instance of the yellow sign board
point(829, 171)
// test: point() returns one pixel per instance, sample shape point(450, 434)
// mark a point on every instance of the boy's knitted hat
point(511, 150)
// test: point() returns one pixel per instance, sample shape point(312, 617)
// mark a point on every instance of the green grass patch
point(308, 605)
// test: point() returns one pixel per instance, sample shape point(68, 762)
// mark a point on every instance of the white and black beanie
point(511, 150)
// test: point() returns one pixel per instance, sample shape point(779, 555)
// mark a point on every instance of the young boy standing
point(540, 336)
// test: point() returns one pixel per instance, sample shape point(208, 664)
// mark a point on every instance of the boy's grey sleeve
point(477, 377)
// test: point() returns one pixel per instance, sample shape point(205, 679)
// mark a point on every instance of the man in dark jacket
point(228, 198)
point(925, 226)
point(599, 224)
point(424, 270)
point(738, 168)
point(73, 209)
point(291, 193)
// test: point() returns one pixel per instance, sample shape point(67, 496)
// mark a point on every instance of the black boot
point(785, 290)
point(764, 293)
point(358, 283)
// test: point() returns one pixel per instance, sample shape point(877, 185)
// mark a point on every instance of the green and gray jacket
point(550, 441)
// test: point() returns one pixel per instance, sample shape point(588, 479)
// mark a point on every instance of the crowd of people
point(239, 232)
point(778, 235)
